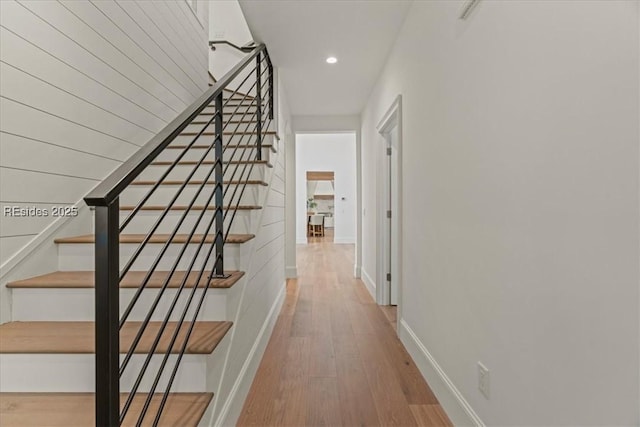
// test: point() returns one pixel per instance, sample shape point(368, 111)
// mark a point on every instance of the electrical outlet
point(218, 34)
point(483, 380)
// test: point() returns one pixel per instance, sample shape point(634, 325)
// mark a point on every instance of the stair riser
point(243, 115)
point(237, 98)
point(181, 172)
point(241, 97)
point(239, 138)
point(233, 109)
point(235, 125)
point(145, 220)
point(195, 154)
point(165, 193)
point(76, 373)
point(80, 257)
point(78, 304)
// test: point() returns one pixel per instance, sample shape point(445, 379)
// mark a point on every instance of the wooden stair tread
point(78, 409)
point(204, 146)
point(240, 96)
point(235, 93)
point(173, 182)
point(79, 338)
point(194, 208)
point(85, 279)
point(227, 112)
point(233, 122)
point(239, 102)
point(158, 238)
point(210, 133)
point(235, 103)
point(211, 162)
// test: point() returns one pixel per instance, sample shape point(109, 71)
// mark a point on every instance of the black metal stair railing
point(228, 152)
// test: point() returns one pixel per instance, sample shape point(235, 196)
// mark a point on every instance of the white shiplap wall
point(83, 85)
point(264, 285)
point(263, 289)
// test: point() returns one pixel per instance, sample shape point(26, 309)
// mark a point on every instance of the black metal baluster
point(154, 305)
point(259, 103)
point(165, 322)
point(106, 199)
point(233, 174)
point(129, 264)
point(107, 338)
point(270, 67)
point(244, 186)
point(155, 226)
point(218, 268)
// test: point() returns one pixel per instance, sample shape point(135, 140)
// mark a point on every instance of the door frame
point(390, 121)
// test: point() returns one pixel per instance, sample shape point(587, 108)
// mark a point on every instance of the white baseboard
point(454, 404)
point(301, 241)
point(357, 271)
point(230, 411)
point(291, 272)
point(369, 283)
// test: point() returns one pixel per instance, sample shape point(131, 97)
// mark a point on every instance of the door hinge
point(388, 151)
point(388, 277)
point(388, 214)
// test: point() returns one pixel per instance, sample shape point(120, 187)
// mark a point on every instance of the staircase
point(133, 328)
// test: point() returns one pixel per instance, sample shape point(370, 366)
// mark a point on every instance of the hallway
point(334, 358)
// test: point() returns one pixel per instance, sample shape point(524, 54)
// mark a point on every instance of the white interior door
point(387, 215)
point(394, 220)
point(389, 185)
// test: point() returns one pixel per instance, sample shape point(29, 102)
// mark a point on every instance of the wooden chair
point(309, 227)
point(317, 225)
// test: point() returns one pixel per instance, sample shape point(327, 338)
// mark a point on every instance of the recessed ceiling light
point(332, 60)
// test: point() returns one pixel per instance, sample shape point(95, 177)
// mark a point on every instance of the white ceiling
point(301, 34)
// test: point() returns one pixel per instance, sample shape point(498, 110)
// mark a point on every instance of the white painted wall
point(291, 265)
point(226, 22)
point(263, 293)
point(520, 212)
point(332, 123)
point(84, 85)
point(328, 152)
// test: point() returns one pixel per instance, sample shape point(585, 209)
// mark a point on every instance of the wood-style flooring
point(327, 238)
point(334, 358)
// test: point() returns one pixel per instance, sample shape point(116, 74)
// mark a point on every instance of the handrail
point(110, 188)
point(246, 48)
point(110, 270)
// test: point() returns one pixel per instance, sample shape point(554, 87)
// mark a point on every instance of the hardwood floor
point(327, 238)
point(391, 311)
point(334, 358)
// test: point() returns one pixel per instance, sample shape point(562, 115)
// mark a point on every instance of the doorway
point(389, 215)
point(327, 162)
point(320, 206)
